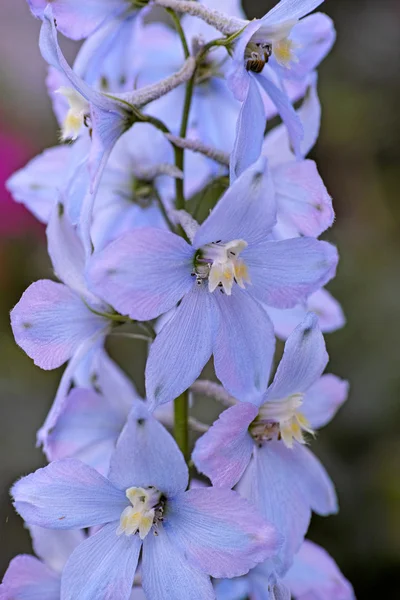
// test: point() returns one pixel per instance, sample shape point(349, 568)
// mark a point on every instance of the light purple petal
point(224, 452)
point(323, 400)
point(147, 455)
point(238, 77)
point(284, 273)
point(313, 37)
point(50, 322)
point(274, 484)
point(67, 494)
point(250, 127)
point(167, 574)
point(143, 273)
point(232, 589)
point(87, 429)
point(55, 546)
point(289, 10)
point(27, 578)
point(37, 184)
point(303, 361)
point(286, 111)
point(246, 211)
point(219, 531)
point(244, 346)
point(103, 567)
point(66, 252)
point(304, 206)
point(182, 348)
point(277, 146)
point(315, 576)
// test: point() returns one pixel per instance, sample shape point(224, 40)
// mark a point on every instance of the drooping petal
point(87, 429)
point(67, 253)
point(244, 346)
point(289, 10)
point(285, 109)
point(50, 322)
point(219, 531)
point(143, 273)
point(167, 574)
point(147, 455)
point(246, 211)
point(329, 312)
point(103, 567)
point(67, 494)
point(55, 546)
point(224, 451)
point(250, 129)
point(323, 400)
point(303, 362)
point(238, 77)
point(315, 575)
point(277, 146)
point(304, 207)
point(284, 273)
point(182, 348)
point(27, 578)
point(36, 185)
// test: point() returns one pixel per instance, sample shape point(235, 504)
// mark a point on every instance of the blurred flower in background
point(359, 159)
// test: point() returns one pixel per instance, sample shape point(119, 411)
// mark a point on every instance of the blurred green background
point(359, 158)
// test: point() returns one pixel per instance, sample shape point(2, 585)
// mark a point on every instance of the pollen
point(141, 515)
point(284, 52)
point(78, 109)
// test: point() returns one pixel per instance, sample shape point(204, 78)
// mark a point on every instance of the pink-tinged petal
point(315, 576)
point(103, 567)
point(37, 184)
point(147, 455)
point(67, 494)
point(246, 211)
point(286, 111)
point(323, 399)
point(284, 273)
point(182, 348)
point(27, 578)
point(143, 273)
point(167, 574)
point(304, 207)
point(328, 310)
point(219, 531)
point(244, 346)
point(250, 127)
point(224, 452)
point(55, 546)
point(303, 361)
point(289, 10)
point(87, 429)
point(50, 322)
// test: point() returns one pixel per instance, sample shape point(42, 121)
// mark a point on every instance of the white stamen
point(140, 517)
point(78, 109)
point(224, 267)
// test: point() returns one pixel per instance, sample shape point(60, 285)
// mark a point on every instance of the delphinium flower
point(263, 444)
point(186, 535)
point(219, 279)
point(314, 575)
point(59, 322)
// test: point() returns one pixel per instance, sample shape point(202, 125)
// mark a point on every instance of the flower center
point(220, 265)
point(79, 109)
point(281, 419)
point(146, 510)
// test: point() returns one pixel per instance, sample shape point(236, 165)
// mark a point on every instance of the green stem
point(181, 418)
point(179, 29)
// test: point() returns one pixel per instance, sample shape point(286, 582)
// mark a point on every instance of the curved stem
point(179, 29)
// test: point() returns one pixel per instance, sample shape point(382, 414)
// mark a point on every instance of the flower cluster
point(157, 120)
